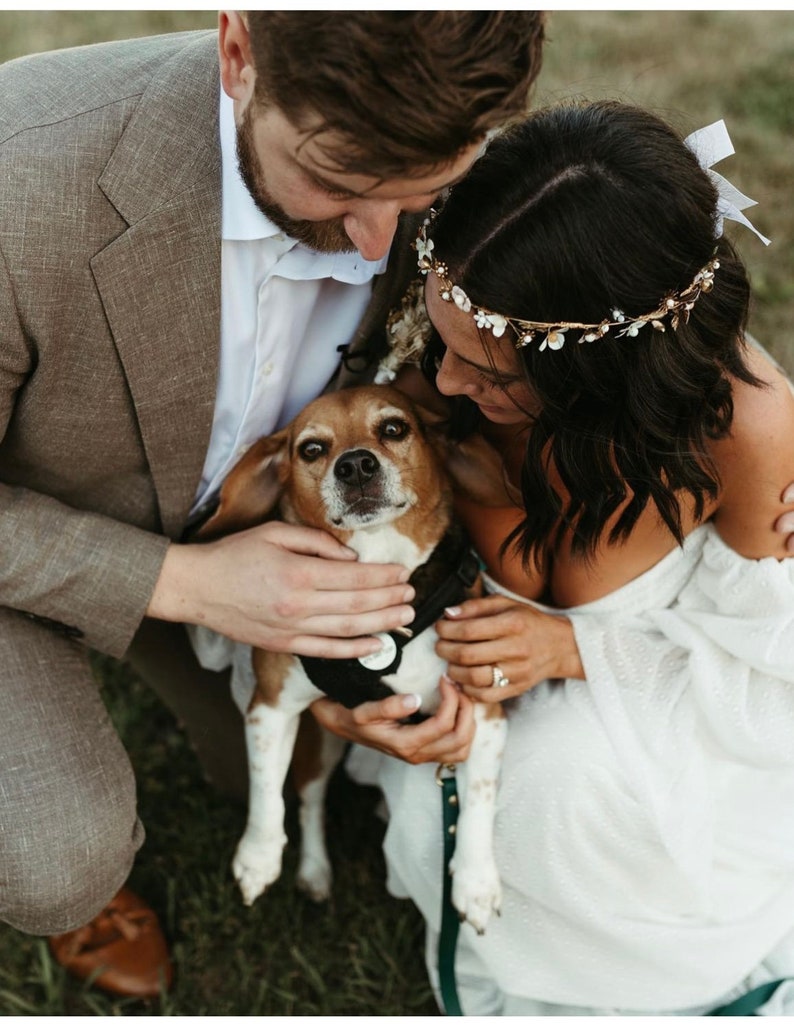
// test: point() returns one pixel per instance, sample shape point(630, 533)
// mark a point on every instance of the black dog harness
point(442, 581)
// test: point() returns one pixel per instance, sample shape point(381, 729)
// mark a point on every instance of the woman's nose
point(450, 381)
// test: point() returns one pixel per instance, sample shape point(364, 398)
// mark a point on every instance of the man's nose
point(371, 227)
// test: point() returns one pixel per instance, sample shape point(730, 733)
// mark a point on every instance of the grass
point(362, 954)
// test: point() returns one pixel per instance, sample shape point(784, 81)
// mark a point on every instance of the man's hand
point(445, 737)
point(284, 588)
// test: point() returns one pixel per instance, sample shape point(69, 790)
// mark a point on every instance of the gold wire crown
point(675, 305)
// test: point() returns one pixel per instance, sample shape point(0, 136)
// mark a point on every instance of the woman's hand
point(526, 645)
point(785, 523)
point(444, 737)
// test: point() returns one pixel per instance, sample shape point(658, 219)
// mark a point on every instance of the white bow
point(711, 145)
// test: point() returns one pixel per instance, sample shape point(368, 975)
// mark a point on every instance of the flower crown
point(675, 305)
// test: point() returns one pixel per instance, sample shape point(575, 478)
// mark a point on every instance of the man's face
point(300, 189)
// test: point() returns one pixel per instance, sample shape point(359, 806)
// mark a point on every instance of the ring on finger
point(498, 679)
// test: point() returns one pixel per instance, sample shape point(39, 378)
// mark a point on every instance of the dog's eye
point(312, 450)
point(392, 429)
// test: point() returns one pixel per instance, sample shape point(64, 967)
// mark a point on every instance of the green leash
point(450, 922)
point(750, 1002)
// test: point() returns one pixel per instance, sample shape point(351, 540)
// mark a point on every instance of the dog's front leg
point(476, 887)
point(317, 754)
point(270, 737)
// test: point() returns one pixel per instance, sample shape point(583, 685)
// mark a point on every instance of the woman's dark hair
point(579, 210)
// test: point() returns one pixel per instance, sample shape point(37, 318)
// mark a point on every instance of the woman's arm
point(754, 463)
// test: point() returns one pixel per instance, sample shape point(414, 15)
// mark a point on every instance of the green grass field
point(362, 954)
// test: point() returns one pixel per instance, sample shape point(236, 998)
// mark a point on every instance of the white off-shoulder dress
point(645, 826)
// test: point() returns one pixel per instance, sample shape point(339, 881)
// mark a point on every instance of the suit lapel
point(160, 280)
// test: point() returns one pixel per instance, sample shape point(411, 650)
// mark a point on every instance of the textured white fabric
point(645, 832)
point(479, 995)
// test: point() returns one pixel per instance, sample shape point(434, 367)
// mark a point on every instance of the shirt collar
point(242, 220)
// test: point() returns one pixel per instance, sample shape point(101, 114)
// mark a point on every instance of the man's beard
point(322, 236)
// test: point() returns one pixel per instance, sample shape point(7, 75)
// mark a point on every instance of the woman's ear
point(251, 490)
point(236, 62)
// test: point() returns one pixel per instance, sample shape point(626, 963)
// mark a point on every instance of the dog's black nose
point(356, 466)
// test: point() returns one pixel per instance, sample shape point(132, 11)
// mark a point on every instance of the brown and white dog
point(361, 465)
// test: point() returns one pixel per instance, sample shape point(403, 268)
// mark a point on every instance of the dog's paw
point(256, 867)
point(476, 892)
point(314, 878)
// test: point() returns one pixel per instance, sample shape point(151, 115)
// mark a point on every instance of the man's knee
point(68, 824)
point(58, 872)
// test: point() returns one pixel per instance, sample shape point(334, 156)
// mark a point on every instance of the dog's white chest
point(385, 544)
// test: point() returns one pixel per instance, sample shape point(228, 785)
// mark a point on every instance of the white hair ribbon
point(711, 145)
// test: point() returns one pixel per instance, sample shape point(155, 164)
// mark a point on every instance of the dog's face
point(364, 456)
point(351, 460)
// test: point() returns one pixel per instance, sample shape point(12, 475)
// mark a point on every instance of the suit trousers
point(69, 828)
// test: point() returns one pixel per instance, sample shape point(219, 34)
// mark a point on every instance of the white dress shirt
point(284, 311)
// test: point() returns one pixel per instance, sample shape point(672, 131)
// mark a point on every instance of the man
point(125, 241)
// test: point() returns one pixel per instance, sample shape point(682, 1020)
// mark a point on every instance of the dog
point(363, 465)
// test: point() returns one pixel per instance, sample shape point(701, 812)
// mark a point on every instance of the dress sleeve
point(695, 693)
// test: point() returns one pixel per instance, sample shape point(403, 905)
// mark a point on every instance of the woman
point(583, 299)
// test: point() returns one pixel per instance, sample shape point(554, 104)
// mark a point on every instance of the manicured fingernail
point(785, 524)
point(405, 574)
point(788, 495)
point(452, 611)
point(409, 595)
point(412, 702)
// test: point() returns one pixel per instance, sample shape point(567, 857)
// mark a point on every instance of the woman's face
point(493, 379)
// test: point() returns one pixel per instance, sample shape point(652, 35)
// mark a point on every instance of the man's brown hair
point(407, 90)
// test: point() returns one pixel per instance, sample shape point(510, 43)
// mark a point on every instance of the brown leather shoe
point(125, 942)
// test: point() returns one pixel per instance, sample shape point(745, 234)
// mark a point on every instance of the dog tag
point(383, 658)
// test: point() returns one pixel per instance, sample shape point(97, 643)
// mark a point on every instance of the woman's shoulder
point(756, 461)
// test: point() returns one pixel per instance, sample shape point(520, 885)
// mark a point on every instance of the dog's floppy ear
point(251, 490)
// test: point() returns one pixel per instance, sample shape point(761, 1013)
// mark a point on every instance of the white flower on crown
point(495, 323)
point(498, 324)
point(424, 249)
point(460, 299)
point(554, 339)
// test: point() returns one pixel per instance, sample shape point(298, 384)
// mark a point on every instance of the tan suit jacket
point(109, 321)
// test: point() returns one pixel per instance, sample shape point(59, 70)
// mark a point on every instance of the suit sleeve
point(85, 574)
